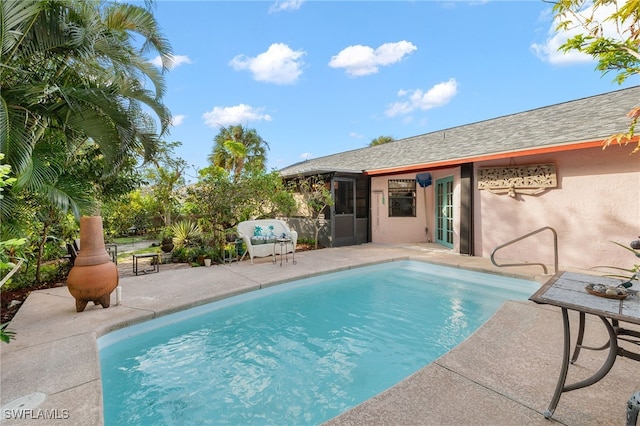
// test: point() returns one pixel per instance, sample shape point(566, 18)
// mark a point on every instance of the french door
point(444, 211)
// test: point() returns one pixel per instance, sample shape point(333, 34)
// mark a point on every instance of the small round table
point(284, 244)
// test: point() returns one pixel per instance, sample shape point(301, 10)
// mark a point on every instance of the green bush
point(49, 273)
point(181, 254)
point(310, 241)
point(186, 234)
point(210, 253)
point(53, 250)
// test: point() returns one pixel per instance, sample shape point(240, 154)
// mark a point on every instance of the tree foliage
point(131, 210)
point(381, 140)
point(313, 197)
point(219, 202)
point(77, 113)
point(239, 150)
point(73, 79)
point(7, 247)
point(79, 108)
point(166, 176)
point(609, 31)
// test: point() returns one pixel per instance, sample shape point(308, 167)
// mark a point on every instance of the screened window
point(343, 196)
point(402, 197)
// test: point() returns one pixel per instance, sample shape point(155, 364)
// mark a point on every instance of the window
point(402, 197)
point(343, 196)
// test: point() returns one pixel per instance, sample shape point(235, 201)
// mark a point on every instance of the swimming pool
point(296, 353)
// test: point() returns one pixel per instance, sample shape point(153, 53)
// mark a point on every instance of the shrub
point(186, 234)
point(181, 254)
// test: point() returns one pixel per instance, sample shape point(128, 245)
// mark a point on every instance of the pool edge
point(320, 262)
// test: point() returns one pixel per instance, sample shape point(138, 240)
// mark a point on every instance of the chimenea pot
point(93, 276)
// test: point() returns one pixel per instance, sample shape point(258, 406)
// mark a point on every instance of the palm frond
point(16, 17)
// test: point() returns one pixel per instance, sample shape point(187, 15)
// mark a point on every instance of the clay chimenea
point(93, 276)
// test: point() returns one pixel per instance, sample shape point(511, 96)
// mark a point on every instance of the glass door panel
point(444, 211)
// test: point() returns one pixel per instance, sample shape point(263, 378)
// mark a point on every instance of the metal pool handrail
point(544, 267)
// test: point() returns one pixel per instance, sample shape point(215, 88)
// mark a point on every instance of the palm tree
point(72, 77)
point(239, 150)
point(381, 140)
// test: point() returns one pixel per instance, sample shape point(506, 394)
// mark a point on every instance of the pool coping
point(55, 351)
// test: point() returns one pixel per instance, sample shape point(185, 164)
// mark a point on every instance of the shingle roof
point(587, 119)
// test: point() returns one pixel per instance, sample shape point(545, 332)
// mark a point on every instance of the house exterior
point(475, 187)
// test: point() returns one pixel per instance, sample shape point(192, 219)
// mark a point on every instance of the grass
point(127, 255)
point(130, 239)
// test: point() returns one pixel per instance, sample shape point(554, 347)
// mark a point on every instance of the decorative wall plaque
point(528, 179)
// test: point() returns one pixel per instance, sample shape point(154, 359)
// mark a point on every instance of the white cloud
point(279, 64)
point(238, 114)
point(306, 156)
point(285, 5)
point(356, 135)
point(548, 51)
point(157, 61)
point(361, 60)
point(438, 95)
point(177, 120)
point(176, 61)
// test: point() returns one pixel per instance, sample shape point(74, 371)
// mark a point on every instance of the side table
point(155, 262)
point(284, 245)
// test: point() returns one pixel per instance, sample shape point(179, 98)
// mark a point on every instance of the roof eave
point(486, 157)
point(323, 171)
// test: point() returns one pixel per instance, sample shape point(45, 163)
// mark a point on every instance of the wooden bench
point(155, 262)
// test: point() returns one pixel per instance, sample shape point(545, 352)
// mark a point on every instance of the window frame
point(402, 197)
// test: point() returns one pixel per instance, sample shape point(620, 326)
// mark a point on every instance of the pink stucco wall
point(393, 230)
point(597, 201)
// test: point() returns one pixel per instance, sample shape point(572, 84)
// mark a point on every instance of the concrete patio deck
point(504, 374)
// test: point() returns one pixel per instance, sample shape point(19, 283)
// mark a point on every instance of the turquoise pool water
point(296, 353)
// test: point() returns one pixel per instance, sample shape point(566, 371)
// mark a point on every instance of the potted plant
point(240, 247)
point(179, 254)
point(230, 235)
point(200, 257)
point(167, 241)
point(210, 254)
point(627, 274)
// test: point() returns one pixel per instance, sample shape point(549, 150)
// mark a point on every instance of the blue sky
point(319, 77)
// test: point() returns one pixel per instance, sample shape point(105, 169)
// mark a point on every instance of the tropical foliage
point(628, 274)
point(219, 202)
point(75, 110)
point(239, 150)
point(131, 211)
point(166, 177)
point(6, 335)
point(186, 234)
point(611, 35)
point(381, 140)
point(82, 127)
